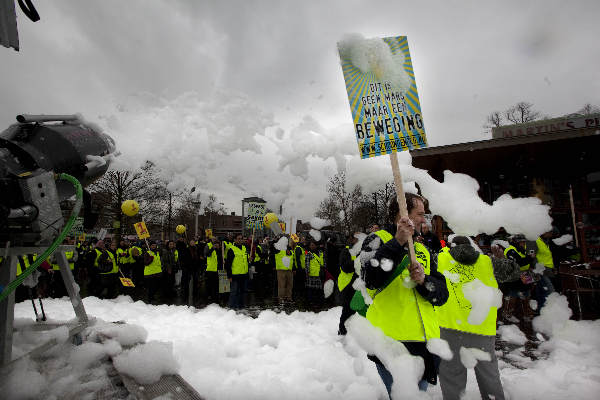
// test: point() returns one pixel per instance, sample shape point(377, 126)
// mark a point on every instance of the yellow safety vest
point(256, 255)
point(302, 257)
point(130, 253)
point(544, 255)
point(212, 262)
point(123, 256)
point(524, 267)
point(344, 278)
point(111, 256)
point(402, 313)
point(279, 265)
point(455, 312)
point(316, 263)
point(155, 267)
point(69, 255)
point(240, 261)
point(25, 264)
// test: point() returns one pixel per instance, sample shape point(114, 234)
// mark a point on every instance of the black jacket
point(375, 277)
point(436, 292)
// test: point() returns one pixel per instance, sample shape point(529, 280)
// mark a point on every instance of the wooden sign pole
point(401, 200)
point(252, 245)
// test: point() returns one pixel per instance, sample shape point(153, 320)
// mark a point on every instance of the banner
point(256, 213)
point(383, 96)
point(208, 233)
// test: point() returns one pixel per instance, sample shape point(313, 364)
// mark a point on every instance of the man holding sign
point(402, 276)
point(406, 292)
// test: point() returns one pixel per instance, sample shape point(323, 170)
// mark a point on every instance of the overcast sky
point(152, 62)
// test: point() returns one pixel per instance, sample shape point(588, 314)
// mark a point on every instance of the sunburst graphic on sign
point(383, 95)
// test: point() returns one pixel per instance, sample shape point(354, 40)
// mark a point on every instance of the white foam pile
point(202, 140)
point(147, 362)
point(315, 234)
point(440, 347)
point(482, 298)
point(328, 287)
point(571, 366)
point(374, 55)
point(564, 239)
point(501, 243)
point(69, 371)
point(469, 356)
point(319, 223)
point(512, 334)
point(405, 369)
point(457, 201)
point(277, 356)
point(282, 243)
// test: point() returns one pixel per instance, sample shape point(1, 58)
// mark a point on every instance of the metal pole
point(573, 216)
point(72, 288)
point(7, 309)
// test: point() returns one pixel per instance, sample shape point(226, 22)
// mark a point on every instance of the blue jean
point(388, 379)
point(542, 290)
point(239, 283)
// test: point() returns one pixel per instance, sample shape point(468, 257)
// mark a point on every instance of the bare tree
point(522, 112)
point(341, 204)
point(213, 206)
point(110, 192)
point(588, 109)
point(494, 120)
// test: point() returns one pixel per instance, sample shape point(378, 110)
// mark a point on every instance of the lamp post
point(196, 203)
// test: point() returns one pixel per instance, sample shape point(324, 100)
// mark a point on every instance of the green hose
point(61, 237)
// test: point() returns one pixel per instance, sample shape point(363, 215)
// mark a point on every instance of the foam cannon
point(32, 154)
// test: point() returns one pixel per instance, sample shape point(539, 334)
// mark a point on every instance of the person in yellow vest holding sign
point(402, 309)
point(152, 272)
point(236, 266)
point(462, 264)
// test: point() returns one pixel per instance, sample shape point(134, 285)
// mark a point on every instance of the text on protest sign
point(141, 230)
point(387, 118)
point(256, 213)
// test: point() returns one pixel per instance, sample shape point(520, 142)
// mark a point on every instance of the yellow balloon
point(180, 229)
point(269, 219)
point(130, 207)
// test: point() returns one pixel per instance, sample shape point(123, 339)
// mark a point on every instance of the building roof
point(565, 153)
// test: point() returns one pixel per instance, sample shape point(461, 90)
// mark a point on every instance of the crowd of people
point(195, 272)
point(412, 298)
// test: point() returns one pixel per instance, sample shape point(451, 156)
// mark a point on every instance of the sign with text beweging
point(383, 96)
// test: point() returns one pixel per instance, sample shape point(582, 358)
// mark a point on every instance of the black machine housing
point(31, 153)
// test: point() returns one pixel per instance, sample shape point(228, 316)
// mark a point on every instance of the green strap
point(358, 302)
